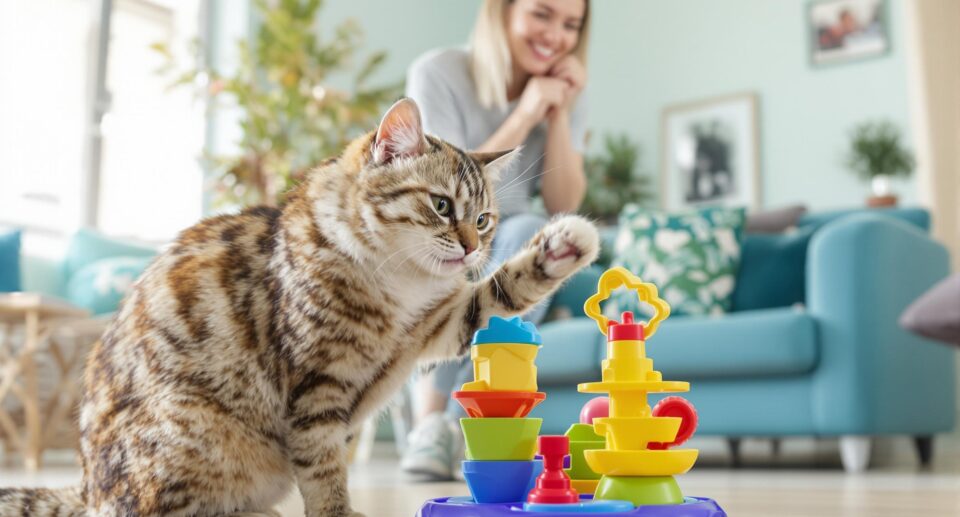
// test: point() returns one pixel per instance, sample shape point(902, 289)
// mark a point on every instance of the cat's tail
point(41, 502)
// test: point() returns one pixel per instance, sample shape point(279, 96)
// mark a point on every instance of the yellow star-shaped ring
point(646, 292)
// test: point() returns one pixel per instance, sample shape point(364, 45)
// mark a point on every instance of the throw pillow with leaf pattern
point(691, 257)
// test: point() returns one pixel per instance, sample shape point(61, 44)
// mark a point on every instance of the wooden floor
point(804, 481)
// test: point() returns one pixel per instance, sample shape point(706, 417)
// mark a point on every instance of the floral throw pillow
point(691, 257)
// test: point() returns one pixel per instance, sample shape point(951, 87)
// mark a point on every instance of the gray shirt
point(441, 83)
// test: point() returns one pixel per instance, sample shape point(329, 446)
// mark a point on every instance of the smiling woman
point(519, 83)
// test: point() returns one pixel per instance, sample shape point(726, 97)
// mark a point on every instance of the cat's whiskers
point(518, 176)
point(515, 184)
point(400, 250)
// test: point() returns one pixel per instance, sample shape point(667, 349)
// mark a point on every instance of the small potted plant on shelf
point(877, 154)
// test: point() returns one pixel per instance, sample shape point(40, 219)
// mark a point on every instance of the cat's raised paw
point(567, 244)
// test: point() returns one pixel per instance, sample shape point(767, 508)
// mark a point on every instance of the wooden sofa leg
point(734, 445)
point(924, 446)
point(855, 453)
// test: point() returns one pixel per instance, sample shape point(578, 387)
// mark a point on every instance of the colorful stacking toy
point(631, 469)
point(622, 456)
point(500, 440)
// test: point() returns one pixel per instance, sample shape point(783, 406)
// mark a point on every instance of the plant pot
point(881, 201)
point(882, 193)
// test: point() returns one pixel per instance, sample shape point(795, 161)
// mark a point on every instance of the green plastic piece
point(640, 490)
point(582, 438)
point(583, 433)
point(500, 439)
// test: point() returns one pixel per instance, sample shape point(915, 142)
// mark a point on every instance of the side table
point(41, 322)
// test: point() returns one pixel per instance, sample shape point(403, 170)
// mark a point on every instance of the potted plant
point(612, 179)
point(291, 116)
point(877, 154)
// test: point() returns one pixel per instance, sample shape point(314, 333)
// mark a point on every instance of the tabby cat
point(249, 353)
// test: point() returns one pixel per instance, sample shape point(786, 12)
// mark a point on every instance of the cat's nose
point(467, 248)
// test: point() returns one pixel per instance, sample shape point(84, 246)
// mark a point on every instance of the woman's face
point(540, 32)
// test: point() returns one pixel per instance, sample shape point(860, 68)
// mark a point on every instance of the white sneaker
point(432, 449)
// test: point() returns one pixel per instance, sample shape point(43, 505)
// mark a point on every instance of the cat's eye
point(483, 221)
point(442, 205)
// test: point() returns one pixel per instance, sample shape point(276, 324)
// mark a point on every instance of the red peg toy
point(553, 485)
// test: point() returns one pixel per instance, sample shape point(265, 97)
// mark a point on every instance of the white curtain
point(935, 105)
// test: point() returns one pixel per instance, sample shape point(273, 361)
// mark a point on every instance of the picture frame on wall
point(711, 153)
point(847, 30)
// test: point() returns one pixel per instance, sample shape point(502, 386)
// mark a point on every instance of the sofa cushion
point(88, 246)
point(9, 260)
point(777, 220)
point(936, 314)
point(99, 286)
point(691, 257)
point(571, 353)
point(761, 343)
point(772, 270)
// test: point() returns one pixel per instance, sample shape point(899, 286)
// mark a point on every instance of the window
point(151, 182)
point(147, 184)
point(43, 89)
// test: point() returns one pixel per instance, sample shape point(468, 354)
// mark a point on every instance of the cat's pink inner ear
point(400, 134)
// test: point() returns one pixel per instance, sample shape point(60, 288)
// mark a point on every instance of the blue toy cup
point(501, 481)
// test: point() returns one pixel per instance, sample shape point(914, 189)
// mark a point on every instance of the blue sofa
point(835, 365)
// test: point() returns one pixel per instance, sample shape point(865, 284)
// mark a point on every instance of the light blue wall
point(647, 54)
point(404, 28)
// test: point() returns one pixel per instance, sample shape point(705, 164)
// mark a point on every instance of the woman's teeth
point(544, 52)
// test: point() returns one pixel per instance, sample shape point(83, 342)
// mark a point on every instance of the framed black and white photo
point(711, 153)
point(847, 30)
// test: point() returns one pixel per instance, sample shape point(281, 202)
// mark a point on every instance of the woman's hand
point(571, 71)
point(540, 96)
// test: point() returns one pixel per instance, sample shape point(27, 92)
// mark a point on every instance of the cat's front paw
point(567, 244)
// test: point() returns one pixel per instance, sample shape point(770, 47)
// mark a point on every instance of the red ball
point(598, 407)
point(676, 407)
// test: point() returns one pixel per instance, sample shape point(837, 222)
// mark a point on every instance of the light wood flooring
point(805, 480)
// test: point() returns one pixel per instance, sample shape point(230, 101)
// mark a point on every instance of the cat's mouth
point(458, 262)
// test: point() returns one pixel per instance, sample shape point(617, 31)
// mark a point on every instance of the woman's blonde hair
point(490, 61)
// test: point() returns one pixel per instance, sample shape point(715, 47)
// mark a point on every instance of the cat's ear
point(496, 162)
point(400, 134)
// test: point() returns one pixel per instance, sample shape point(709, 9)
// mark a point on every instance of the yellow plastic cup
point(633, 434)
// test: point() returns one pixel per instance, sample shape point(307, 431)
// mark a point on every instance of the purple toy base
point(465, 507)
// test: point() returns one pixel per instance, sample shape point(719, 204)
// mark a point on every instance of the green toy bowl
point(500, 439)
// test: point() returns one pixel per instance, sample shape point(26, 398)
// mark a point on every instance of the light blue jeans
point(512, 234)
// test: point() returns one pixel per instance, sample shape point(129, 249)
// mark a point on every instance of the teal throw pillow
point(101, 285)
point(9, 260)
point(772, 270)
point(691, 257)
point(88, 246)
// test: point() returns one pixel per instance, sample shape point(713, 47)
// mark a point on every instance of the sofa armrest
point(872, 376)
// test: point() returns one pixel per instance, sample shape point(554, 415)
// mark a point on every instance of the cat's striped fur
point(251, 350)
